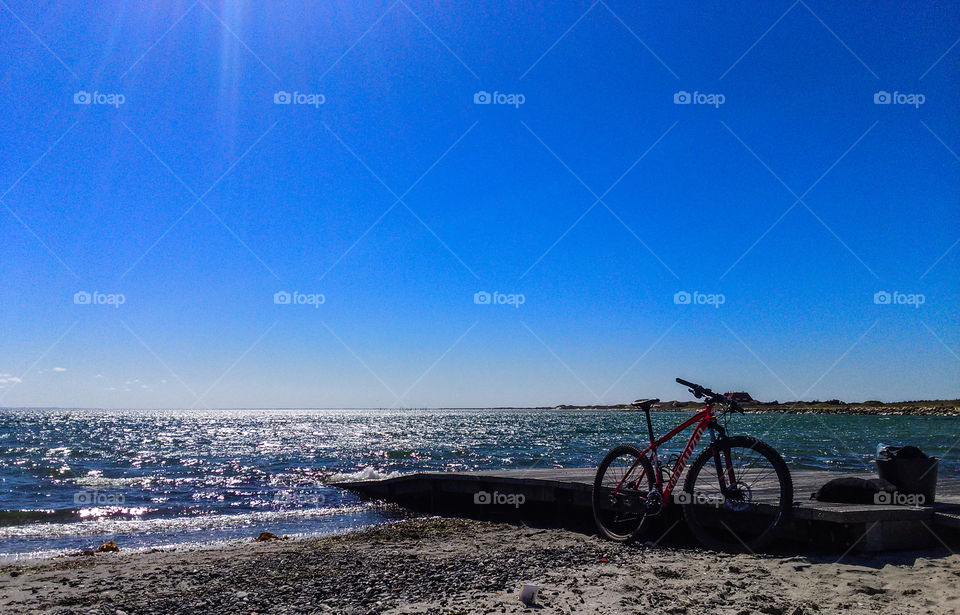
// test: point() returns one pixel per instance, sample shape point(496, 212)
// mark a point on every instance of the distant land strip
point(936, 407)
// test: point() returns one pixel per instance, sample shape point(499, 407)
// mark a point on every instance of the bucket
point(911, 476)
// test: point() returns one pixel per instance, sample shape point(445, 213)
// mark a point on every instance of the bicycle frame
point(703, 420)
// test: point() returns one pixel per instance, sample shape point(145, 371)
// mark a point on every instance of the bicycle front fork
point(722, 460)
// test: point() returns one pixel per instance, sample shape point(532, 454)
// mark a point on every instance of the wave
point(367, 473)
point(41, 516)
point(16, 517)
point(92, 480)
point(113, 525)
point(40, 555)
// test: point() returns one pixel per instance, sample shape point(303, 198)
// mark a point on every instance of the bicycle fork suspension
point(724, 464)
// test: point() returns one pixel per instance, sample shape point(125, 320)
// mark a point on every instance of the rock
point(109, 546)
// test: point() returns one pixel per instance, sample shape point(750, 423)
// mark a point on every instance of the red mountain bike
point(736, 495)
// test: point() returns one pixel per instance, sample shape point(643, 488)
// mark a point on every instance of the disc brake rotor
point(740, 497)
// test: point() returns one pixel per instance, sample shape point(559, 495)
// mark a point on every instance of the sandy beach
point(456, 567)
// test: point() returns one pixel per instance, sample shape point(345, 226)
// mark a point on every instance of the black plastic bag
point(853, 490)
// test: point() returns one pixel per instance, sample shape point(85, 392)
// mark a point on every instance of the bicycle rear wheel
point(621, 489)
point(737, 494)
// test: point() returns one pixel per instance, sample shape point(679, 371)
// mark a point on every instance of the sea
point(71, 479)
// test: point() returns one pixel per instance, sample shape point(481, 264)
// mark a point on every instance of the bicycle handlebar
point(700, 391)
point(697, 390)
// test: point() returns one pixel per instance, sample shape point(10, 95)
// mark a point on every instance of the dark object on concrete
point(901, 452)
point(562, 497)
point(910, 470)
point(854, 490)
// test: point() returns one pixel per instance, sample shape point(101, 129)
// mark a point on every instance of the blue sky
point(146, 160)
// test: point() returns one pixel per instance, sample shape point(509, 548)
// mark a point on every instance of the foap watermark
point(899, 499)
point(282, 297)
point(298, 98)
point(483, 498)
point(684, 97)
point(705, 499)
point(82, 297)
point(112, 99)
point(484, 97)
point(884, 97)
point(98, 498)
point(882, 297)
point(497, 298)
point(682, 297)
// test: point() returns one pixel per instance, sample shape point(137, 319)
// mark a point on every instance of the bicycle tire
point(703, 522)
point(631, 502)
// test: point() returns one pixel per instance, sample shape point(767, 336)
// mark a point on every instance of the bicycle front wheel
point(621, 489)
point(737, 494)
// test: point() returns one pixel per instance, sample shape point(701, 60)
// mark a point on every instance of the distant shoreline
point(947, 407)
point(936, 407)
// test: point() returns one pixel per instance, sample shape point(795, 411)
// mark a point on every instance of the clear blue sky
point(184, 187)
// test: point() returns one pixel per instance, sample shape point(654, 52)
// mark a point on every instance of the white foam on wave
point(44, 554)
point(368, 473)
point(93, 480)
point(166, 524)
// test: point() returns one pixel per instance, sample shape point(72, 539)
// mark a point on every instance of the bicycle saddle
point(645, 404)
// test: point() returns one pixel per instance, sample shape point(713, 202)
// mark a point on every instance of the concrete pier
point(563, 497)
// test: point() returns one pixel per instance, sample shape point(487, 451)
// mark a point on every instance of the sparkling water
point(71, 479)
